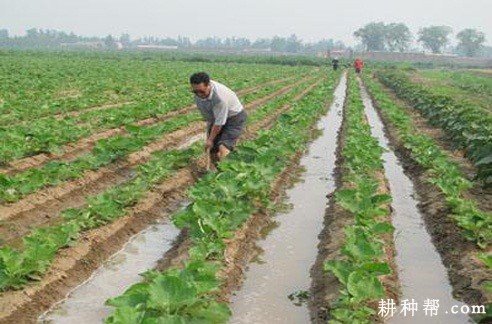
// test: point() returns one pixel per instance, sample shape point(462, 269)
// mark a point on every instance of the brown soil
point(465, 271)
point(84, 145)
point(44, 206)
point(75, 264)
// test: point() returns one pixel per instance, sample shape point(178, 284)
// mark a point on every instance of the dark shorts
point(230, 132)
point(357, 70)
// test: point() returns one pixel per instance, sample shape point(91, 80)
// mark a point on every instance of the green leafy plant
point(442, 172)
point(360, 268)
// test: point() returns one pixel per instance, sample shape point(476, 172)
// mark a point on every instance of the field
point(378, 186)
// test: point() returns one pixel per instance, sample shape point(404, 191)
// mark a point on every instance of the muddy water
point(85, 304)
point(421, 272)
point(289, 250)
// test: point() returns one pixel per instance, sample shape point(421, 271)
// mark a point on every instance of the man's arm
point(213, 134)
point(220, 115)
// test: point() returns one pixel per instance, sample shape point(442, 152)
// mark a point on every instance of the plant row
point(441, 172)
point(106, 151)
point(221, 203)
point(50, 134)
point(362, 264)
point(466, 125)
point(49, 83)
point(466, 84)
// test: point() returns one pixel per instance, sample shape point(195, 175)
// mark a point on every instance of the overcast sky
point(311, 20)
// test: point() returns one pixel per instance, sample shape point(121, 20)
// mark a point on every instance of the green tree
point(434, 37)
point(278, 44)
point(4, 33)
point(398, 37)
point(293, 44)
point(372, 36)
point(261, 43)
point(109, 41)
point(125, 39)
point(471, 41)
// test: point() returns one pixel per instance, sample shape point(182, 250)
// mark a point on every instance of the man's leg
point(223, 152)
point(213, 158)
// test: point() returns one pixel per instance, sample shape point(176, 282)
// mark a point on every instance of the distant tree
point(261, 43)
point(209, 42)
point(471, 41)
point(372, 36)
point(397, 37)
point(486, 51)
point(434, 37)
point(278, 44)
point(32, 33)
point(293, 44)
point(236, 42)
point(109, 41)
point(322, 46)
point(184, 41)
point(4, 33)
point(125, 39)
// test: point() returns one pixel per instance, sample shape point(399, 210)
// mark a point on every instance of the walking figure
point(358, 65)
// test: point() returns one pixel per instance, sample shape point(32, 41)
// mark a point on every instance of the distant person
point(358, 65)
point(223, 112)
point(335, 62)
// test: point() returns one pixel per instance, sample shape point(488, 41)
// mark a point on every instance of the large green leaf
point(363, 286)
point(340, 268)
point(169, 293)
point(126, 315)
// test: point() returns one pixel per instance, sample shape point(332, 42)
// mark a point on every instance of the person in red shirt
point(358, 65)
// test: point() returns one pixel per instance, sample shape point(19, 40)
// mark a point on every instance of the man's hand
point(211, 137)
point(209, 144)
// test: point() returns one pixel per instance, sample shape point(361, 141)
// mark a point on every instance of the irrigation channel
point(289, 250)
point(85, 304)
point(421, 272)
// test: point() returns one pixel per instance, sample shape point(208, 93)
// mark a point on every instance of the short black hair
point(199, 77)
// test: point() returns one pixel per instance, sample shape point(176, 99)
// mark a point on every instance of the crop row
point(18, 266)
point(362, 264)
point(461, 83)
point(467, 126)
point(45, 84)
point(441, 171)
point(221, 202)
point(47, 135)
point(106, 151)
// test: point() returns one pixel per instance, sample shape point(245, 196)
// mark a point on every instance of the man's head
point(200, 84)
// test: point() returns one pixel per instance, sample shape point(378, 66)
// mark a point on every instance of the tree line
point(39, 38)
point(375, 36)
point(392, 37)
